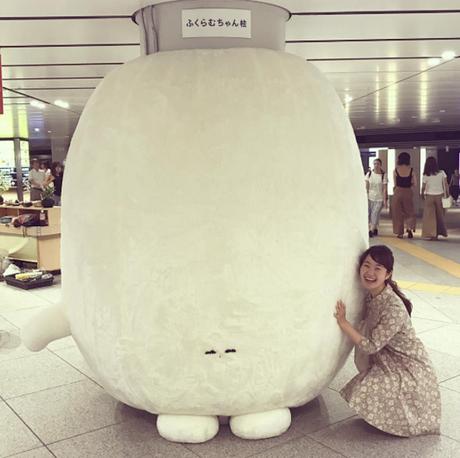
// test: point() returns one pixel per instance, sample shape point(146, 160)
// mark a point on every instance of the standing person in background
point(434, 188)
point(454, 185)
point(55, 177)
point(377, 195)
point(402, 207)
point(37, 179)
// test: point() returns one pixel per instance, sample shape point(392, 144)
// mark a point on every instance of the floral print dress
point(396, 390)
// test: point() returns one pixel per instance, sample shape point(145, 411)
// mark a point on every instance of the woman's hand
point(340, 313)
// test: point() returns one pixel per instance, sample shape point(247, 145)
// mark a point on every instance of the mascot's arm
point(48, 325)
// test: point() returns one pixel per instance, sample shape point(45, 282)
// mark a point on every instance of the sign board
point(216, 22)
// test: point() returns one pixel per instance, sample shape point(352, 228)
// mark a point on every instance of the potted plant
point(5, 184)
point(47, 197)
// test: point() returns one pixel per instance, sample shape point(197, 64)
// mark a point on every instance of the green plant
point(48, 191)
point(5, 181)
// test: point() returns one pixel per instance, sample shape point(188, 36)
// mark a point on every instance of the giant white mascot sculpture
point(213, 214)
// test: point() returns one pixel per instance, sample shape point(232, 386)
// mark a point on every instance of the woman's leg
point(429, 218)
point(397, 214)
point(439, 215)
point(375, 214)
point(408, 209)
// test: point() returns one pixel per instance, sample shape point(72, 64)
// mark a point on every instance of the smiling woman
point(396, 389)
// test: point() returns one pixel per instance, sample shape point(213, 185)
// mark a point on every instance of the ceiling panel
point(127, 7)
point(385, 49)
point(372, 26)
point(68, 31)
point(56, 71)
point(69, 55)
point(373, 59)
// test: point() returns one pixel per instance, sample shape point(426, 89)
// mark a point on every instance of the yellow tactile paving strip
point(447, 265)
point(429, 287)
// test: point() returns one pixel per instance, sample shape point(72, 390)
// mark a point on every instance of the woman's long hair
point(431, 166)
point(384, 256)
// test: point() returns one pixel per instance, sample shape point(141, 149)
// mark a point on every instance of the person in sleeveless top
point(434, 188)
point(402, 206)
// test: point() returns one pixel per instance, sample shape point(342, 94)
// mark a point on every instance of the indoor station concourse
point(395, 66)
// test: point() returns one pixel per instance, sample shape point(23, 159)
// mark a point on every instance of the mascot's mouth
point(214, 352)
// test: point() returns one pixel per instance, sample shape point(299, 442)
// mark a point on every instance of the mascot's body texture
point(213, 214)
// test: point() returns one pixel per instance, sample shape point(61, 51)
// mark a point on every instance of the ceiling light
point(434, 61)
point(49, 131)
point(61, 103)
point(414, 117)
point(448, 55)
point(37, 129)
point(442, 111)
point(37, 104)
point(348, 98)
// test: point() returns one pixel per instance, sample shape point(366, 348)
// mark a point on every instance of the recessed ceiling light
point(434, 61)
point(62, 103)
point(36, 129)
point(448, 55)
point(37, 104)
point(442, 111)
point(414, 117)
point(348, 98)
point(49, 131)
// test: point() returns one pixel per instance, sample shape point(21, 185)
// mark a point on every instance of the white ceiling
point(373, 51)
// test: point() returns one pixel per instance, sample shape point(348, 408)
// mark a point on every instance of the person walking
point(454, 185)
point(434, 188)
point(377, 195)
point(402, 206)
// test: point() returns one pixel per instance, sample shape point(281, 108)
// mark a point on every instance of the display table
point(39, 244)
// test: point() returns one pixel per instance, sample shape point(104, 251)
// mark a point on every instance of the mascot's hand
point(48, 325)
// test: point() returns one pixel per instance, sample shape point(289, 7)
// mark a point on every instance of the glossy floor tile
point(51, 405)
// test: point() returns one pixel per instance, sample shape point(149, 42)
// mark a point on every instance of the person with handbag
point(434, 188)
point(377, 195)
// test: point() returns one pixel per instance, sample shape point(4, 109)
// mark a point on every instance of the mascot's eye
point(230, 350)
point(210, 352)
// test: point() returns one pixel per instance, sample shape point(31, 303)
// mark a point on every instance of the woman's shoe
point(409, 234)
point(400, 236)
point(375, 232)
point(371, 234)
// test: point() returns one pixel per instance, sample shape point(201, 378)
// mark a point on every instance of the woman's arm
point(414, 181)
point(49, 179)
point(446, 187)
point(345, 325)
point(423, 191)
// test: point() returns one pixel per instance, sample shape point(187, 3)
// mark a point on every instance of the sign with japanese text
point(216, 22)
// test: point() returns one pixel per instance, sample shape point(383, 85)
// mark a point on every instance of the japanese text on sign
point(218, 22)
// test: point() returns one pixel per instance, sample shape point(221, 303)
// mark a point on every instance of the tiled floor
point(50, 404)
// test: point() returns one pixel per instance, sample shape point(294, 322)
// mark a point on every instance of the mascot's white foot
point(191, 429)
point(48, 325)
point(261, 425)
